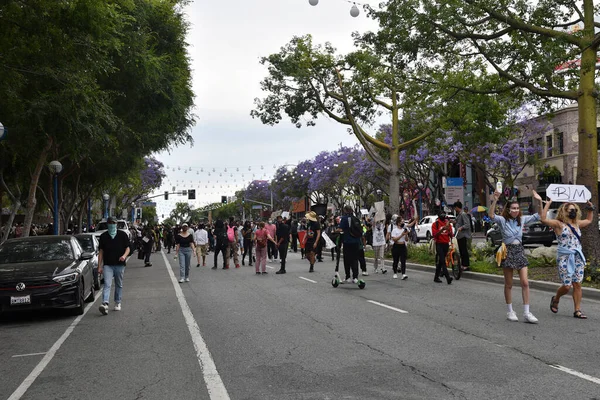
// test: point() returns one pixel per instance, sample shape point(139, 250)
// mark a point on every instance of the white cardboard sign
point(564, 193)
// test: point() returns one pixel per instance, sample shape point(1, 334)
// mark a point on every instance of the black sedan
point(536, 233)
point(45, 272)
point(89, 244)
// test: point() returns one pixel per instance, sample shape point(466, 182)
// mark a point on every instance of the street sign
point(454, 182)
point(257, 207)
point(568, 193)
point(149, 204)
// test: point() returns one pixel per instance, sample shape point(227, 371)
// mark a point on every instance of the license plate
point(537, 229)
point(17, 300)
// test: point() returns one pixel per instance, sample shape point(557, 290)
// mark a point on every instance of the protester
point(221, 243)
point(351, 237)
point(113, 248)
point(247, 235)
point(184, 249)
point(147, 244)
point(302, 227)
point(569, 257)
point(283, 240)
point(294, 230)
point(511, 224)
point(262, 237)
point(398, 239)
point(233, 248)
point(271, 247)
point(379, 247)
point(312, 238)
point(201, 241)
point(442, 234)
point(463, 234)
point(332, 232)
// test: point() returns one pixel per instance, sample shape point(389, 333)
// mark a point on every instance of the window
point(549, 146)
point(539, 144)
point(558, 143)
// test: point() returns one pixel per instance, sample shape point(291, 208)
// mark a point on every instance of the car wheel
point(489, 240)
point(428, 236)
point(548, 244)
point(80, 299)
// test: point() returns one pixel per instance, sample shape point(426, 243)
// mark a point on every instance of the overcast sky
point(226, 40)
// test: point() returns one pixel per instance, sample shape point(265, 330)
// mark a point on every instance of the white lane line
point(576, 373)
point(270, 267)
point(388, 307)
point(306, 279)
point(24, 386)
point(214, 384)
point(27, 355)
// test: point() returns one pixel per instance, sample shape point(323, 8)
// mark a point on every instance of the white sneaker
point(512, 316)
point(181, 280)
point(529, 317)
point(187, 279)
point(404, 277)
point(365, 273)
point(349, 280)
point(395, 276)
point(118, 307)
point(104, 309)
point(354, 280)
point(376, 270)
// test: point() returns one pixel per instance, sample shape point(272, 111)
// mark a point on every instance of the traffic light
point(243, 200)
point(192, 194)
point(138, 213)
point(224, 199)
point(166, 195)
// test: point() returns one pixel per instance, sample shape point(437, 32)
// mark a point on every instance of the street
point(293, 336)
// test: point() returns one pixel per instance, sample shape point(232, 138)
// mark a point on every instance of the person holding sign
point(569, 257)
point(511, 225)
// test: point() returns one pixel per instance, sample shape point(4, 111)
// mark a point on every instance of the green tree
point(529, 47)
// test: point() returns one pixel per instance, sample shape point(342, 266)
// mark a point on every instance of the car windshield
point(86, 242)
point(21, 251)
point(102, 226)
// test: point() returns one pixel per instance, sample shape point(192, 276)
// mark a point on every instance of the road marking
point(306, 279)
point(27, 355)
point(576, 373)
point(214, 384)
point(270, 267)
point(24, 386)
point(386, 306)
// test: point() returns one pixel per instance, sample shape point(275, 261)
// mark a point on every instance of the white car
point(122, 225)
point(423, 228)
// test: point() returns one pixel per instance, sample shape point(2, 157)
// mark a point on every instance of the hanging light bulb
point(225, 169)
point(354, 11)
point(201, 169)
point(313, 2)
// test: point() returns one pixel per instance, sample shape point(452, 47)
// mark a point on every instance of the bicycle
point(452, 261)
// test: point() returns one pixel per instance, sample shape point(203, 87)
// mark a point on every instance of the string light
point(354, 11)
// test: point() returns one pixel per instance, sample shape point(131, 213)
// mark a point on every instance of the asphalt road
point(230, 334)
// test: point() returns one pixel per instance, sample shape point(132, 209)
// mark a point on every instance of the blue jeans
point(109, 271)
point(185, 257)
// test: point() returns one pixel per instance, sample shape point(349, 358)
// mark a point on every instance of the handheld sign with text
point(573, 193)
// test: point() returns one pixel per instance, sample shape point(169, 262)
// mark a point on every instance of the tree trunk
point(35, 178)
point(11, 219)
point(587, 171)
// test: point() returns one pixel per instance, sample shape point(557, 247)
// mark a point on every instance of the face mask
point(572, 214)
point(112, 230)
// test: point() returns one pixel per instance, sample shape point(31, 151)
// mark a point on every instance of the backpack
point(230, 233)
point(355, 227)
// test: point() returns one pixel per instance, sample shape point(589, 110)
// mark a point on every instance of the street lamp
point(132, 213)
point(420, 185)
point(105, 197)
point(55, 167)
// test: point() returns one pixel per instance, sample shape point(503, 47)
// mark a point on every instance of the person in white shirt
point(399, 237)
point(201, 240)
point(379, 246)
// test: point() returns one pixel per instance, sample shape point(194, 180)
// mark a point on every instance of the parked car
point(45, 272)
point(122, 225)
point(536, 233)
point(423, 228)
point(89, 243)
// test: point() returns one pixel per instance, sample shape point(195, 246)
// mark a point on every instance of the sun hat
point(311, 215)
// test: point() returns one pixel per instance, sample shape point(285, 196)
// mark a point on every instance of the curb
point(588, 293)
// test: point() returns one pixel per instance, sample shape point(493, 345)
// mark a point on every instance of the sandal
point(553, 305)
point(578, 314)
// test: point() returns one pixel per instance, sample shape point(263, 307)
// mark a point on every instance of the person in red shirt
point(442, 234)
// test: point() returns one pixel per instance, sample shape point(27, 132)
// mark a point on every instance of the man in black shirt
point(283, 239)
point(113, 251)
point(294, 230)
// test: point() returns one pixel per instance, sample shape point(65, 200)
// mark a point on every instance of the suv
point(423, 228)
point(121, 225)
point(536, 233)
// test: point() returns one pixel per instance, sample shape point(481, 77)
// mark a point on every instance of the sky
point(226, 40)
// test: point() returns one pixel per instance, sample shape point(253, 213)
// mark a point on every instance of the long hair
point(506, 212)
point(563, 215)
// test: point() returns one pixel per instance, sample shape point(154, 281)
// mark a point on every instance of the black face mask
point(572, 214)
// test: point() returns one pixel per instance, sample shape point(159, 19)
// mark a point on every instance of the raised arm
point(553, 223)
point(591, 209)
point(491, 211)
